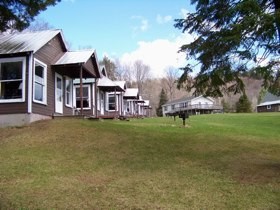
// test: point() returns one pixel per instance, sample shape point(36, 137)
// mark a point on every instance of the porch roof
point(267, 103)
point(131, 93)
point(71, 63)
point(108, 85)
point(140, 100)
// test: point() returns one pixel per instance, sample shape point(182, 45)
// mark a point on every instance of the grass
point(223, 161)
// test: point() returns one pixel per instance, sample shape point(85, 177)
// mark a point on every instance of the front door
point(58, 94)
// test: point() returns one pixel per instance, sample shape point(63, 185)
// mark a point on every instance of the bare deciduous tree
point(170, 80)
point(141, 73)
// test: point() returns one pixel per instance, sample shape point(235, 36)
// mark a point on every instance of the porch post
point(121, 103)
point(115, 103)
point(81, 90)
point(95, 89)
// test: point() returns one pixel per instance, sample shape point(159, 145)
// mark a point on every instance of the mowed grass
point(222, 161)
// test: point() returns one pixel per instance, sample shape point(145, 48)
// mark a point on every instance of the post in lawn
point(184, 116)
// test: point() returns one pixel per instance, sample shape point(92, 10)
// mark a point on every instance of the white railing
point(195, 107)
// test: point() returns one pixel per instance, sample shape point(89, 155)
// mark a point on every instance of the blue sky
point(125, 29)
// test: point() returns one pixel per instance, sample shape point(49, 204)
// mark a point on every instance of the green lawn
point(222, 161)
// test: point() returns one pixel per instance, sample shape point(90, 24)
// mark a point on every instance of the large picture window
point(12, 80)
point(68, 92)
point(40, 81)
point(86, 97)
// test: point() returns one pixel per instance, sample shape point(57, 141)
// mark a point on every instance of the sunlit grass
point(223, 161)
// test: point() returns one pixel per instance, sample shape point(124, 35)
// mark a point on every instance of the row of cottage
point(40, 78)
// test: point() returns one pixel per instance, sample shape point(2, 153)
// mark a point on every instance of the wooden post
point(81, 90)
point(95, 97)
point(115, 103)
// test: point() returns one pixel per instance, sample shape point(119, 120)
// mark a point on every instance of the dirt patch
point(257, 173)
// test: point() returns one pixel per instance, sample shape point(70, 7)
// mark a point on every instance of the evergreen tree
point(162, 100)
point(18, 14)
point(226, 106)
point(243, 105)
point(110, 67)
point(232, 37)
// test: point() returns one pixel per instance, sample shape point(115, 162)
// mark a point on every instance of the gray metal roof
point(26, 41)
point(75, 57)
point(131, 92)
point(105, 82)
point(270, 97)
point(269, 103)
point(122, 84)
point(183, 99)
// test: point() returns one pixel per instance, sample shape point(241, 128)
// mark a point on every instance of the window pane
point(11, 90)
point(85, 91)
point(85, 99)
point(68, 85)
point(67, 98)
point(58, 95)
point(85, 103)
point(111, 106)
point(58, 83)
point(39, 74)
point(39, 91)
point(111, 102)
point(111, 99)
point(11, 71)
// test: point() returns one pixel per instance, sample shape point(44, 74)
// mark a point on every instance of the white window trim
point(107, 102)
point(44, 102)
point(89, 98)
point(268, 107)
point(98, 99)
point(71, 92)
point(23, 60)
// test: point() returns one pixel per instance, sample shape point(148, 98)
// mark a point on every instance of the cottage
point(191, 105)
point(131, 97)
point(109, 97)
point(270, 103)
point(147, 108)
point(36, 76)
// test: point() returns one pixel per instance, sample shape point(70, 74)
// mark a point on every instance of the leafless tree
point(169, 81)
point(141, 72)
point(39, 25)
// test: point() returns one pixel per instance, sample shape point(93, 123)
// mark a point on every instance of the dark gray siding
point(274, 108)
point(49, 54)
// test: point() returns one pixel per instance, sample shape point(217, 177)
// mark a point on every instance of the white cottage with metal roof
point(191, 105)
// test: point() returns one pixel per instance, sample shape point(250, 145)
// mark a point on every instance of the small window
point(86, 97)
point(165, 108)
point(40, 81)
point(173, 106)
point(12, 80)
point(268, 107)
point(68, 92)
point(112, 102)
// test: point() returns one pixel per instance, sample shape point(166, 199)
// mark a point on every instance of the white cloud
point(163, 19)
point(159, 54)
point(142, 26)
